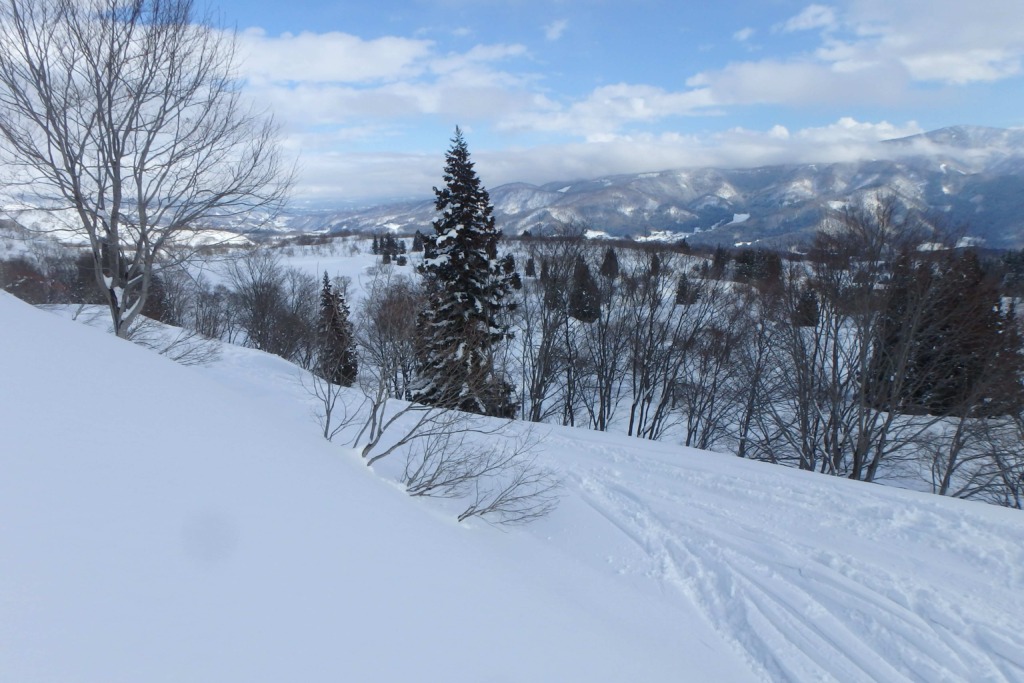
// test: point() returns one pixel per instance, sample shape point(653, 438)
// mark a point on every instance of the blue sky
point(368, 93)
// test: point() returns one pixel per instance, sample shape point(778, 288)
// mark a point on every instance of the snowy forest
point(880, 351)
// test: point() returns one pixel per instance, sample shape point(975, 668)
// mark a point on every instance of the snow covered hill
point(160, 522)
point(962, 176)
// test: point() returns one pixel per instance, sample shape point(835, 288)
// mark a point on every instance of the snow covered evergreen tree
point(337, 358)
point(468, 291)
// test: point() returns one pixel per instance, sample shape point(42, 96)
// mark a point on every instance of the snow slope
point(159, 522)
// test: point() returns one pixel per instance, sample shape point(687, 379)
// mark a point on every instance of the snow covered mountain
point(960, 176)
point(161, 522)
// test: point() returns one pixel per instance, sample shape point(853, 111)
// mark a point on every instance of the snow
point(739, 218)
point(198, 528)
point(662, 236)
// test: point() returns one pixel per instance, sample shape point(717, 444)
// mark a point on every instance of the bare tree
point(386, 331)
point(601, 358)
point(501, 480)
point(540, 341)
point(127, 115)
point(711, 388)
point(276, 307)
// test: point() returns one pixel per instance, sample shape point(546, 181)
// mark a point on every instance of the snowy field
point(189, 524)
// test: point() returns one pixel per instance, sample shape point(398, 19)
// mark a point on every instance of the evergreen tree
point(554, 286)
point(686, 292)
point(468, 291)
point(610, 265)
point(417, 241)
point(806, 312)
point(584, 295)
point(962, 353)
point(337, 358)
point(531, 268)
point(655, 269)
point(719, 262)
point(375, 248)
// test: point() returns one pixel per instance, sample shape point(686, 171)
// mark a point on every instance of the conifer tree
point(961, 355)
point(610, 265)
point(584, 295)
point(686, 292)
point(337, 361)
point(468, 291)
point(531, 268)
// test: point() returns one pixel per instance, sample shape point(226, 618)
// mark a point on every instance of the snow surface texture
point(169, 523)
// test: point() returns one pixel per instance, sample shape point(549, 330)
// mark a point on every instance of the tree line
point(881, 352)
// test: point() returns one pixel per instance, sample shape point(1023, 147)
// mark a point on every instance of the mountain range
point(961, 177)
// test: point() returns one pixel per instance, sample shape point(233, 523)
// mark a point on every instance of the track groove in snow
point(801, 580)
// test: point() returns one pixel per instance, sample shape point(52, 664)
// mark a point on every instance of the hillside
point(961, 176)
point(189, 524)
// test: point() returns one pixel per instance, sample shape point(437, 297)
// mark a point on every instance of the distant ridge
point(969, 176)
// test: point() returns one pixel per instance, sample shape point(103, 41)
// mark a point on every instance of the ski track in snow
point(796, 612)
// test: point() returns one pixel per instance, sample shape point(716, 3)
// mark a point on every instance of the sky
point(368, 94)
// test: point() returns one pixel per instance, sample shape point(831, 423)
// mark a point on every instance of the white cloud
point(797, 83)
point(338, 79)
point(744, 34)
point(607, 109)
point(812, 17)
point(844, 140)
point(961, 68)
point(363, 175)
point(874, 51)
point(555, 29)
point(329, 57)
point(946, 41)
point(336, 92)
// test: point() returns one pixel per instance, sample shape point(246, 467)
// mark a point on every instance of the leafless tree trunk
point(125, 115)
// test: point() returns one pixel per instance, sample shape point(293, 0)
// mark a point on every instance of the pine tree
point(417, 241)
point(610, 265)
point(468, 289)
point(655, 269)
point(531, 268)
point(961, 355)
point(807, 312)
point(584, 295)
point(337, 360)
point(686, 292)
point(719, 262)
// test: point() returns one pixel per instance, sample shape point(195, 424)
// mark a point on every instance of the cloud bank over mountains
point(370, 116)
